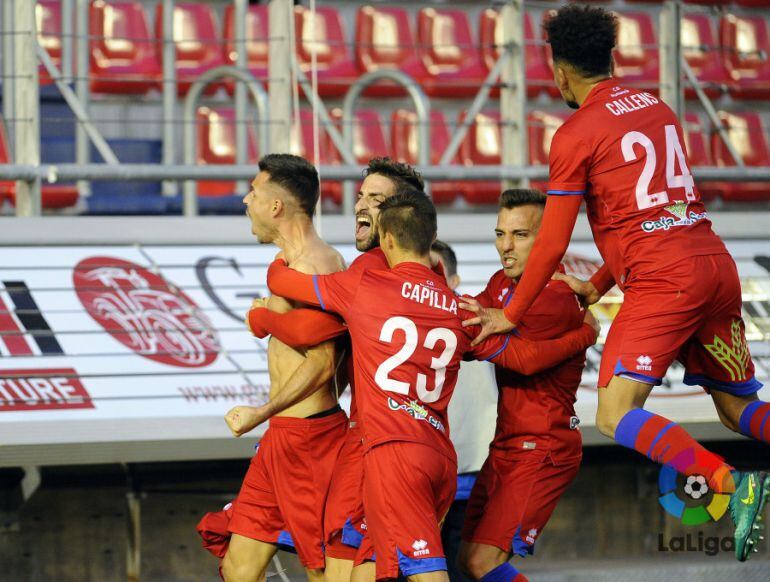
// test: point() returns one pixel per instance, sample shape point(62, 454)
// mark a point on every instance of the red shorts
point(344, 525)
point(284, 492)
point(408, 488)
point(513, 499)
point(690, 312)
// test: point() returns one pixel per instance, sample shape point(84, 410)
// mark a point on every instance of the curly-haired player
point(623, 151)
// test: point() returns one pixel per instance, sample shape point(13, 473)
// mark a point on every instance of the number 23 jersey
point(624, 151)
point(408, 342)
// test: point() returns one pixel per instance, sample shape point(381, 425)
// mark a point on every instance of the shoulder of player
point(372, 259)
point(321, 261)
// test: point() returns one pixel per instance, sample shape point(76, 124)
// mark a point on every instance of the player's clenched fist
point(257, 302)
point(243, 419)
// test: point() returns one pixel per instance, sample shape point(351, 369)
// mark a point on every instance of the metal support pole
point(670, 49)
point(26, 107)
point(279, 73)
point(421, 107)
point(9, 80)
point(169, 91)
point(513, 95)
point(712, 113)
point(241, 104)
point(134, 536)
point(82, 147)
point(67, 41)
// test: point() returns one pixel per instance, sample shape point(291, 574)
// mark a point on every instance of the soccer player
point(623, 151)
point(344, 522)
point(408, 341)
point(537, 448)
point(285, 488)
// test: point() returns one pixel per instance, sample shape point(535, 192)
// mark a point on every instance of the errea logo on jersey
point(420, 548)
point(644, 363)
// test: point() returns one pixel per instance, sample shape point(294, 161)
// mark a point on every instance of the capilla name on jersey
point(428, 296)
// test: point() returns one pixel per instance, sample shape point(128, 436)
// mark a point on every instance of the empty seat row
point(482, 146)
point(442, 56)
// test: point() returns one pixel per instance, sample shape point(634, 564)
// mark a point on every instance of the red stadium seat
point(538, 74)
point(542, 126)
point(753, 3)
point(403, 138)
point(748, 135)
point(215, 137)
point(48, 22)
point(452, 60)
point(123, 55)
point(482, 146)
point(636, 53)
point(53, 196)
point(336, 68)
point(197, 40)
point(699, 153)
point(702, 52)
point(384, 40)
point(746, 41)
point(256, 39)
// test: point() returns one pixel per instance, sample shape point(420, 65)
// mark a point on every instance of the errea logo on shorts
point(644, 363)
point(420, 548)
point(531, 535)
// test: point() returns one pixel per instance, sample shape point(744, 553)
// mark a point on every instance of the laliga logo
point(695, 488)
point(139, 310)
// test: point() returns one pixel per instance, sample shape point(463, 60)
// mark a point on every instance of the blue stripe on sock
point(629, 426)
point(747, 415)
point(659, 436)
point(503, 573)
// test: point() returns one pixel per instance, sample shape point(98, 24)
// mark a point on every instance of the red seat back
point(403, 132)
point(48, 19)
point(215, 137)
point(256, 36)
point(483, 143)
point(542, 126)
point(384, 38)
point(368, 135)
point(695, 140)
point(747, 134)
point(123, 57)
point(445, 39)
point(746, 41)
point(636, 53)
point(328, 40)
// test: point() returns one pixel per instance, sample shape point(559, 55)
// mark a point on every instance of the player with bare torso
point(623, 152)
point(284, 491)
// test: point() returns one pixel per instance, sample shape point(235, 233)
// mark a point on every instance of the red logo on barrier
point(56, 388)
point(141, 311)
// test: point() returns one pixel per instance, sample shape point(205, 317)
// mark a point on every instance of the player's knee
point(475, 564)
point(606, 423)
point(234, 570)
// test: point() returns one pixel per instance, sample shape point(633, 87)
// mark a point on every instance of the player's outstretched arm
point(530, 357)
point(313, 374)
point(298, 328)
point(290, 284)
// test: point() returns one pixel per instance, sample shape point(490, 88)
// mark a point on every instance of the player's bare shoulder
point(319, 259)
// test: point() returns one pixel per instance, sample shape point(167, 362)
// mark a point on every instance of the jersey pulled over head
point(581, 38)
point(383, 178)
point(407, 227)
point(286, 188)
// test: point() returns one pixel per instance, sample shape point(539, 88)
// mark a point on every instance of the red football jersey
point(535, 413)
point(403, 323)
point(624, 151)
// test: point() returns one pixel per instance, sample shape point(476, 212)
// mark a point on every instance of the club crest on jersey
point(429, 296)
point(417, 412)
point(682, 216)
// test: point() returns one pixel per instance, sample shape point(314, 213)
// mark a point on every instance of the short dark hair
point(583, 36)
point(296, 175)
point(516, 197)
point(411, 218)
point(448, 256)
point(403, 175)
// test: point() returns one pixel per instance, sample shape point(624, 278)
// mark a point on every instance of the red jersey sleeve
point(603, 280)
point(530, 357)
point(552, 241)
point(298, 328)
point(568, 161)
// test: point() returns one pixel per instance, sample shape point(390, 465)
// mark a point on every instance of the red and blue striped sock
point(504, 573)
point(665, 442)
point(755, 421)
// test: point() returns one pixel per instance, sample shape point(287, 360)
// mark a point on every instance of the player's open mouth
point(509, 261)
point(363, 226)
